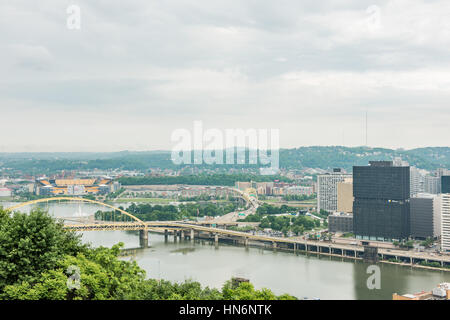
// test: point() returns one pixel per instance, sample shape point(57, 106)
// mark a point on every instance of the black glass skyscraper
point(381, 209)
point(445, 184)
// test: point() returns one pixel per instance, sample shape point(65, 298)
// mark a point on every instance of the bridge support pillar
point(181, 235)
point(143, 238)
point(274, 245)
point(246, 242)
point(192, 235)
point(342, 252)
point(166, 235)
point(216, 238)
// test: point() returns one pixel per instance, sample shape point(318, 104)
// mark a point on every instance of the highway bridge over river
point(217, 231)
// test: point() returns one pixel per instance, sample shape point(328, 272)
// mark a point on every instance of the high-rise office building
point(442, 172)
point(425, 216)
point(445, 222)
point(416, 175)
point(327, 189)
point(445, 209)
point(345, 196)
point(417, 181)
point(432, 184)
point(381, 208)
point(445, 184)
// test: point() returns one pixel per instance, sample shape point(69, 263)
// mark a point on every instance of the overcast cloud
point(137, 70)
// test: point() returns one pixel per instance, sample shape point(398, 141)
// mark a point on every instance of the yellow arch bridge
point(181, 229)
point(188, 230)
point(177, 227)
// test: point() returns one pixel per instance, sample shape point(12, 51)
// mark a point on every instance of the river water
point(304, 276)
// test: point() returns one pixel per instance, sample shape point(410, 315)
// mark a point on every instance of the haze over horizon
point(168, 150)
point(137, 71)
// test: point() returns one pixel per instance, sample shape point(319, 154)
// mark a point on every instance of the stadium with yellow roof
point(44, 186)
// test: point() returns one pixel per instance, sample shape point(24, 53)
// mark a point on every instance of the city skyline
point(209, 152)
point(135, 72)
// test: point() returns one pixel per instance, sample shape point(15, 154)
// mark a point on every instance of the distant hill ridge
point(322, 157)
point(346, 157)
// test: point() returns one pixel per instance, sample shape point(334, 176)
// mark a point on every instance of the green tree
point(246, 291)
point(428, 242)
point(31, 244)
point(103, 276)
point(37, 254)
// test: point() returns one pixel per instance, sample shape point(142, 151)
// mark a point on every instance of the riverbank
point(416, 266)
point(301, 274)
point(266, 246)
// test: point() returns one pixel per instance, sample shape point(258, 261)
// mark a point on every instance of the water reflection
point(183, 250)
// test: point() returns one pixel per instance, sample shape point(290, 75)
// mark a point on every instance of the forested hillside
point(300, 158)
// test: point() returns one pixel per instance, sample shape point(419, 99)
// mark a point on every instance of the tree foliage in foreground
point(37, 254)
point(31, 244)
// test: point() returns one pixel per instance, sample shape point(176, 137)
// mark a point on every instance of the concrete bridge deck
point(323, 247)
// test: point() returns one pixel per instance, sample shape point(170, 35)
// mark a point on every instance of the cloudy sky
point(136, 71)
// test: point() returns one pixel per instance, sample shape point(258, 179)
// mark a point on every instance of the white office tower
point(417, 181)
point(327, 195)
point(445, 225)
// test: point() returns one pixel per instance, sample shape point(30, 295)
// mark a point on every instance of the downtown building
point(445, 207)
point(345, 196)
point(417, 181)
point(445, 222)
point(416, 177)
point(381, 207)
point(327, 189)
point(340, 222)
point(432, 184)
point(445, 184)
point(425, 216)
